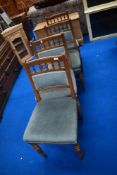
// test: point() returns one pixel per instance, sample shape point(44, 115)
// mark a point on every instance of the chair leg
point(78, 150)
point(38, 149)
point(80, 117)
point(81, 78)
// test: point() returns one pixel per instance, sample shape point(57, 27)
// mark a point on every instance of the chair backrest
point(51, 66)
point(57, 18)
point(48, 43)
point(62, 26)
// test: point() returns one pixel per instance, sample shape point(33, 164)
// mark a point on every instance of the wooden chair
point(41, 47)
point(53, 121)
point(64, 26)
point(57, 45)
point(57, 18)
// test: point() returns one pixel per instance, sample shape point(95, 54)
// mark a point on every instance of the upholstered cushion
point(52, 52)
point(54, 79)
point(75, 58)
point(70, 45)
point(69, 39)
point(53, 121)
point(55, 93)
point(68, 36)
point(72, 51)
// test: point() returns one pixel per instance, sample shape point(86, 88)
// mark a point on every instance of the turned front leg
point(38, 149)
point(78, 150)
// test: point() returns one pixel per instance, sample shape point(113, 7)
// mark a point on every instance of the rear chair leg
point(78, 150)
point(80, 117)
point(38, 149)
point(81, 78)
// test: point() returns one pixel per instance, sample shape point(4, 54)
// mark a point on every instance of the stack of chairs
point(62, 23)
point(54, 119)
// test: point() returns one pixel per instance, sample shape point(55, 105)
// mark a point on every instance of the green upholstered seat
point(53, 121)
point(50, 79)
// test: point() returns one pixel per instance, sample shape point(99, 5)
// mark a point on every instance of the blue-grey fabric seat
point(73, 51)
point(52, 52)
point(53, 121)
point(68, 36)
point(50, 79)
point(75, 58)
point(69, 39)
point(73, 54)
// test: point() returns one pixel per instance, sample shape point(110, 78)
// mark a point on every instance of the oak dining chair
point(55, 120)
point(56, 45)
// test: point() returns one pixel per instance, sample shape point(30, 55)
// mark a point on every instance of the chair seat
point(53, 121)
point(53, 79)
point(70, 45)
point(75, 58)
point(52, 52)
point(55, 93)
point(72, 51)
point(69, 39)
